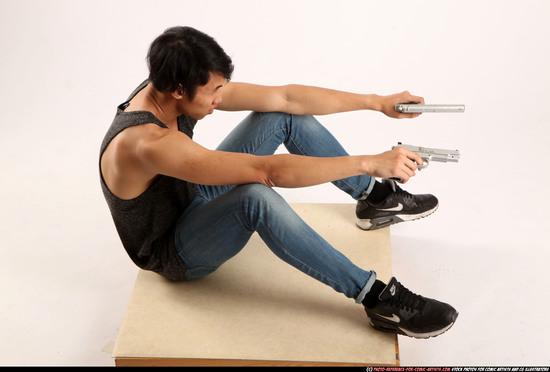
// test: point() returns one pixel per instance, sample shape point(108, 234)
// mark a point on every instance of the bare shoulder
point(142, 133)
point(122, 169)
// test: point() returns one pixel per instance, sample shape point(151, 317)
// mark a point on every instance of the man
point(182, 210)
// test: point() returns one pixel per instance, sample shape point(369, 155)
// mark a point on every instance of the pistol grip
point(426, 162)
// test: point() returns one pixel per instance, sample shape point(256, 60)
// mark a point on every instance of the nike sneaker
point(398, 206)
point(403, 312)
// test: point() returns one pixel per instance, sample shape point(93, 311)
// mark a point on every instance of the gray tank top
point(146, 224)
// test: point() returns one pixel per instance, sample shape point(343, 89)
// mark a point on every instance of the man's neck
point(162, 105)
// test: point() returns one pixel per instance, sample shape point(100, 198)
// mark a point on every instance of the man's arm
point(300, 99)
point(174, 154)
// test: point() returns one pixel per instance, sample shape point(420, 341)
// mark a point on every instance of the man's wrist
point(373, 102)
point(366, 164)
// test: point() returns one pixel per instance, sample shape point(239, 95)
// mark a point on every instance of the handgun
point(429, 154)
point(411, 108)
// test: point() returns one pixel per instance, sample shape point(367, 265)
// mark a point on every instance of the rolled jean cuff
point(369, 188)
point(366, 288)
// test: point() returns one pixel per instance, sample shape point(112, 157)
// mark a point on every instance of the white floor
point(65, 65)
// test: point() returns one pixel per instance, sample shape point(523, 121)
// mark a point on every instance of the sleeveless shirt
point(146, 224)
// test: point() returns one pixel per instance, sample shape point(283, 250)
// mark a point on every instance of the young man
point(182, 210)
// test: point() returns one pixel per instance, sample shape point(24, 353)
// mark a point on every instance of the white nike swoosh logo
point(398, 208)
point(394, 318)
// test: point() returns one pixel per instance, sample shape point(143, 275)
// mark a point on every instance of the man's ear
point(178, 93)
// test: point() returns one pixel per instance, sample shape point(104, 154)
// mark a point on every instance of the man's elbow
point(267, 176)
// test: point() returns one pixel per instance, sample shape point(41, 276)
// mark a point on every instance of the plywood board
point(257, 308)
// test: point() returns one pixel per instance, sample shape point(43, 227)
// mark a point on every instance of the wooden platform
point(258, 311)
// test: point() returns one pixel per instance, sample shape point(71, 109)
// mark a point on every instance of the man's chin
point(196, 117)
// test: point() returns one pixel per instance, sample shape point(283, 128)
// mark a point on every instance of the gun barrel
point(445, 157)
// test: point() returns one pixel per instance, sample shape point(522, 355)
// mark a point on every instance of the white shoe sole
point(380, 222)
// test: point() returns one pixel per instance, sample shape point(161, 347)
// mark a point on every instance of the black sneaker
point(398, 206)
point(403, 312)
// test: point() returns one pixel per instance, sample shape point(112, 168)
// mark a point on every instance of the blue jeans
point(221, 219)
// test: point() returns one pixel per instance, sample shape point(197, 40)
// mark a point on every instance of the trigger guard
point(425, 165)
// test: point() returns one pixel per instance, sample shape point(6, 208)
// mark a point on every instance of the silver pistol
point(428, 154)
point(411, 108)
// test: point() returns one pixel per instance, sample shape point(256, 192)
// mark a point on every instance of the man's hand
point(398, 163)
point(388, 104)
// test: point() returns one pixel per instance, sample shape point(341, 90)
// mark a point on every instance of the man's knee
point(261, 199)
point(258, 192)
point(260, 203)
point(271, 117)
point(287, 118)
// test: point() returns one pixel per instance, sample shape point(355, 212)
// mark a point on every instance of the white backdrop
point(65, 65)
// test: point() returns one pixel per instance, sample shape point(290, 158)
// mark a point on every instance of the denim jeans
point(221, 219)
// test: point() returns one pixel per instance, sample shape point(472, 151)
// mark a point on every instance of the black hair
point(186, 56)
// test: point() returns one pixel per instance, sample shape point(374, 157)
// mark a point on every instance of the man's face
point(206, 99)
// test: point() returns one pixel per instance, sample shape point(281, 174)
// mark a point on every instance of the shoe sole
point(380, 222)
point(394, 328)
